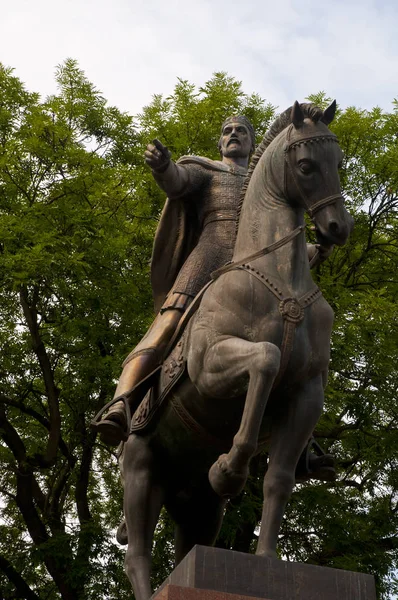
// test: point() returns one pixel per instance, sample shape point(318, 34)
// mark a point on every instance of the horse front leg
point(143, 500)
point(229, 366)
point(289, 435)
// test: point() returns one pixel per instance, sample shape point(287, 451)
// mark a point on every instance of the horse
point(255, 353)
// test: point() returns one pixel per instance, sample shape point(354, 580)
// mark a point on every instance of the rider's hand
point(317, 253)
point(157, 156)
point(324, 251)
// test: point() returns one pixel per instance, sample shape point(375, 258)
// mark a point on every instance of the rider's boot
point(140, 363)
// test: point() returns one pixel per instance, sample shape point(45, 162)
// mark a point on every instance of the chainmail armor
point(217, 196)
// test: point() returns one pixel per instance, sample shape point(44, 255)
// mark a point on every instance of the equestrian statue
point(236, 360)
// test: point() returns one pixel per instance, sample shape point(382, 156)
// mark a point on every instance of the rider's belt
point(220, 215)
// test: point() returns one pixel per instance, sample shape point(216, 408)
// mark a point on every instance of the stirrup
point(96, 422)
point(144, 386)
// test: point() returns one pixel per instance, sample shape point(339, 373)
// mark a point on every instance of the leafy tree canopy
point(78, 211)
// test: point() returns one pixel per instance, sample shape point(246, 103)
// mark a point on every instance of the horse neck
point(266, 218)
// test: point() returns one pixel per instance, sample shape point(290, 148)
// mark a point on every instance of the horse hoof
point(226, 482)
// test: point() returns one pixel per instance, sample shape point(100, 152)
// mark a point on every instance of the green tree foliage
point(78, 211)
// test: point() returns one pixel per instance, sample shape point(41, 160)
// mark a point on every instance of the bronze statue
point(250, 368)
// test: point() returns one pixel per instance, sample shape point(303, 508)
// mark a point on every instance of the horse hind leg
point(197, 520)
point(227, 366)
point(143, 500)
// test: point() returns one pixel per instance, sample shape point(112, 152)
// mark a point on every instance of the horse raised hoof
point(226, 482)
point(322, 468)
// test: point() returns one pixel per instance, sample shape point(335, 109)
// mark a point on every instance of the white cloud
point(283, 50)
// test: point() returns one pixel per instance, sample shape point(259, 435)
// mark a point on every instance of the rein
point(267, 250)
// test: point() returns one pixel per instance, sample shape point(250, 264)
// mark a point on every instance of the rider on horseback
point(195, 237)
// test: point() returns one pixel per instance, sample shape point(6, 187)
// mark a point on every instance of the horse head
point(312, 160)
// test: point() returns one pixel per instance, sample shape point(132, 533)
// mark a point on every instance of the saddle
point(166, 377)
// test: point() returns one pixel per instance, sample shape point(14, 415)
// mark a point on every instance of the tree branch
point(27, 494)
point(82, 504)
point(20, 584)
point(11, 437)
point(52, 391)
point(43, 421)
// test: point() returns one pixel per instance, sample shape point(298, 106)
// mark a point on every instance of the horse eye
point(305, 167)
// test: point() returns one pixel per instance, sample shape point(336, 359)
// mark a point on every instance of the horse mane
point(310, 111)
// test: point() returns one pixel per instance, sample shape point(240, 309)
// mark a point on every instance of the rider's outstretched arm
point(172, 178)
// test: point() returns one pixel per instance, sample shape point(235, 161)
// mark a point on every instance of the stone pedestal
point(176, 592)
point(214, 574)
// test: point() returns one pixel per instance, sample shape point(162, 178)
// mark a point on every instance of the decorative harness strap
point(291, 309)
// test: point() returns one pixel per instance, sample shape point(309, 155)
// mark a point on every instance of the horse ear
point(297, 115)
point(328, 114)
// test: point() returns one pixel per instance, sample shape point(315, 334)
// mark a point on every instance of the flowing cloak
point(179, 229)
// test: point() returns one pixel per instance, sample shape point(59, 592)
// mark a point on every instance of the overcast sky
point(281, 49)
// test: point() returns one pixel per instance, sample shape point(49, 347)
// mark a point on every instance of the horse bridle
point(289, 145)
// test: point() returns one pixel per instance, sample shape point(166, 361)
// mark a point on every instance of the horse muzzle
point(333, 224)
